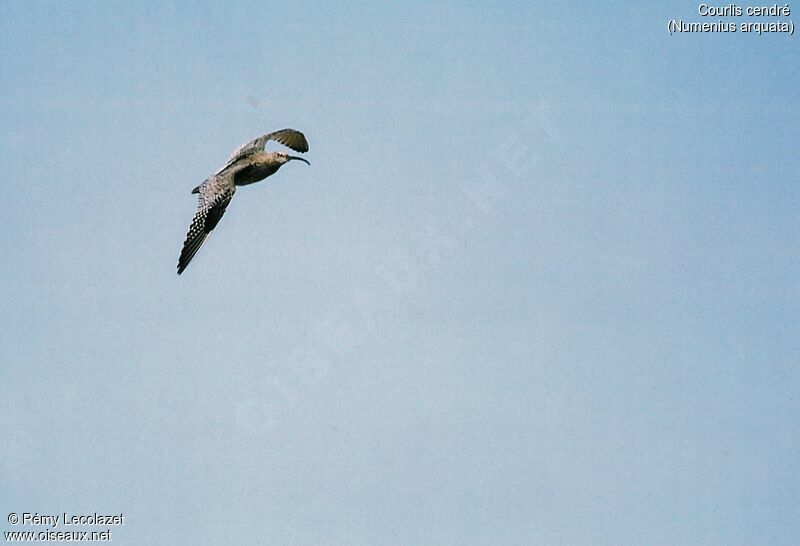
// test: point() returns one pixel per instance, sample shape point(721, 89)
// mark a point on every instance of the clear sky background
point(539, 285)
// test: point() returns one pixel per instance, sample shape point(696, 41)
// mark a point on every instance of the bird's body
point(248, 164)
point(255, 167)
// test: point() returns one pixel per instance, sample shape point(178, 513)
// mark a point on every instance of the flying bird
point(247, 164)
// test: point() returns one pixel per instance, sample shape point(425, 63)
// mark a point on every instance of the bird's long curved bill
point(299, 159)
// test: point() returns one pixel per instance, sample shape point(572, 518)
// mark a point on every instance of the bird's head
point(283, 157)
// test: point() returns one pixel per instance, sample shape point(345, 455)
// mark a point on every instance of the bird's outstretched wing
point(288, 137)
point(215, 194)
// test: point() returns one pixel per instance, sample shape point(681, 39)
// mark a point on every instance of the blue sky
point(539, 284)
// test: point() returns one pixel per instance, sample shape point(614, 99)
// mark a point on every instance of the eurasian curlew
point(247, 164)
